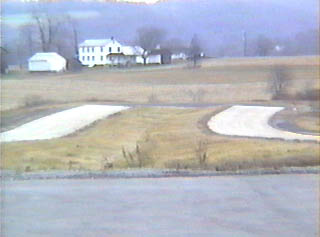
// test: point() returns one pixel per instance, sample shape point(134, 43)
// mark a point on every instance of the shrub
point(34, 100)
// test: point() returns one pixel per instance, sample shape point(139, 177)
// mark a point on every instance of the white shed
point(47, 62)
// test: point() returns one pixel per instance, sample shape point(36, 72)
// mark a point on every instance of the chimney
point(112, 38)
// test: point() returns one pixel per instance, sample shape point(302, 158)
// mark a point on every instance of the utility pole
point(244, 43)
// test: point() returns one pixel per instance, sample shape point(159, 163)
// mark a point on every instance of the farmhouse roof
point(132, 50)
point(159, 51)
point(97, 42)
point(46, 56)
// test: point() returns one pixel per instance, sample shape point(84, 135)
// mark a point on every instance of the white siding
point(139, 60)
point(100, 53)
point(39, 66)
point(41, 62)
point(154, 59)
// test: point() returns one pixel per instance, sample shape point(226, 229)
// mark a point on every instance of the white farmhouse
point(108, 52)
point(47, 62)
point(135, 52)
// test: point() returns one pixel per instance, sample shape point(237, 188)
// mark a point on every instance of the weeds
point(202, 153)
point(196, 96)
point(106, 164)
point(152, 99)
point(279, 80)
point(141, 156)
point(35, 100)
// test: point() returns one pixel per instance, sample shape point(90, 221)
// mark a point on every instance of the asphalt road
point(274, 205)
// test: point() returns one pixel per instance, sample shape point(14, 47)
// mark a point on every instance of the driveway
point(60, 124)
point(252, 121)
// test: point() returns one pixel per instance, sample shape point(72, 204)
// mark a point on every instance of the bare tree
point(175, 44)
point(27, 39)
point(279, 80)
point(73, 24)
point(3, 58)
point(149, 38)
point(47, 27)
point(195, 49)
point(264, 46)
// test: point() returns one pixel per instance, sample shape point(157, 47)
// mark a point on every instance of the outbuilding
point(47, 62)
point(159, 56)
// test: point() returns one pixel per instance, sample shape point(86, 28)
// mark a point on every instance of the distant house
point(159, 56)
point(47, 62)
point(179, 54)
point(108, 52)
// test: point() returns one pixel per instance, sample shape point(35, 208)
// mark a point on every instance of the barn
point(47, 62)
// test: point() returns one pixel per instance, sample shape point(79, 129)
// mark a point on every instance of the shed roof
point(159, 52)
point(46, 56)
point(97, 42)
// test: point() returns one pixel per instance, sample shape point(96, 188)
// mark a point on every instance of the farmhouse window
point(110, 49)
point(92, 58)
point(83, 58)
point(106, 57)
point(118, 49)
point(92, 49)
point(101, 48)
point(83, 49)
point(88, 58)
point(88, 49)
point(101, 58)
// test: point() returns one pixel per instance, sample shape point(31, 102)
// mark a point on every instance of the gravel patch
point(252, 121)
point(60, 124)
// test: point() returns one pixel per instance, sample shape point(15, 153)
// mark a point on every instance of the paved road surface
point(275, 205)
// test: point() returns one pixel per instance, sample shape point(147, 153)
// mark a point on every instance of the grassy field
point(161, 137)
point(166, 138)
point(243, 80)
point(309, 121)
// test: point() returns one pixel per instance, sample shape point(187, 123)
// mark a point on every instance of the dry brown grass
point(308, 121)
point(242, 80)
point(169, 137)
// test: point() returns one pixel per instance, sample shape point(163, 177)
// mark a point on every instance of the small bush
point(142, 154)
point(35, 100)
point(278, 81)
point(196, 96)
point(312, 95)
point(106, 164)
point(153, 98)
